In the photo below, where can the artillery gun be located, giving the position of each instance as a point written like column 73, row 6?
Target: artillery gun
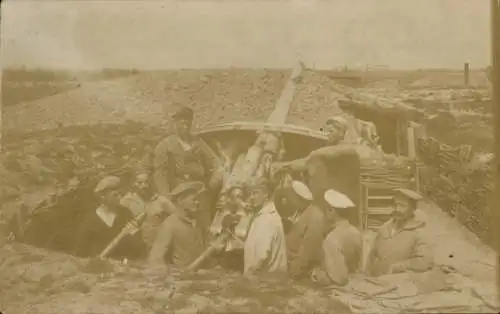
column 248, row 149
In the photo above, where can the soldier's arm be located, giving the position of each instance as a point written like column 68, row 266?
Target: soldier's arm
column 160, row 161
column 313, row 239
column 422, row 258
column 333, row 151
column 367, row 266
column 334, row 263
column 210, row 160
column 212, row 164
column 162, row 244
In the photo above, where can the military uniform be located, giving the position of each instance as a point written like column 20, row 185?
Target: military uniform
column 305, row 236
column 177, row 161
column 401, row 248
column 341, row 249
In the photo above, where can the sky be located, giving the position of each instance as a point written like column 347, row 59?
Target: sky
column 92, row 34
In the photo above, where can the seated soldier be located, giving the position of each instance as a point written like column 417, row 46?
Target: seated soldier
column 180, row 239
column 342, row 247
column 399, row 245
column 306, row 234
column 101, row 226
column 265, row 244
column 142, row 199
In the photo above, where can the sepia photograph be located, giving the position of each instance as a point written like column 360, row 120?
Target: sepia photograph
column 281, row 156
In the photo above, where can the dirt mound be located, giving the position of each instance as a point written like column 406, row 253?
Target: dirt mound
column 217, row 96
column 47, row 282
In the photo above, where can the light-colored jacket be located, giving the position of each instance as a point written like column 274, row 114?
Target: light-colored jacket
column 265, row 248
column 342, row 250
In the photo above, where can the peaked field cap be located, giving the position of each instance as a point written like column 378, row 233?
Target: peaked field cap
column 108, row 183
column 194, row 187
column 409, row 194
column 184, row 113
column 336, row 119
column 302, row 190
column 338, row 200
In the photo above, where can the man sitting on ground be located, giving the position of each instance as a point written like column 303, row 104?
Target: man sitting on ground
column 306, row 234
column 342, row 247
column 400, row 245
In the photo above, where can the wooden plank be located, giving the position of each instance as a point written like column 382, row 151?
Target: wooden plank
column 411, row 142
column 385, row 197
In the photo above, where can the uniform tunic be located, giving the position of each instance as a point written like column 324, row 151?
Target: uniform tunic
column 94, row 235
column 304, row 242
column 400, row 250
column 179, row 242
column 176, row 162
column 265, row 248
column 342, row 251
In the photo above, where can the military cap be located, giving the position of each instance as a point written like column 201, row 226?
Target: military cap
column 302, row 190
column 338, row 200
column 339, row 120
column 184, row 113
column 184, row 188
column 108, row 183
column 409, row 194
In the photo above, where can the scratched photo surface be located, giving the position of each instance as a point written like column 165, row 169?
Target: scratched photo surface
column 248, row 157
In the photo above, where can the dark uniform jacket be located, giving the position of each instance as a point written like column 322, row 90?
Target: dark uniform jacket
column 173, row 164
column 94, row 235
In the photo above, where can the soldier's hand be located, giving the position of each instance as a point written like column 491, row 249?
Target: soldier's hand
column 219, row 242
column 132, row 228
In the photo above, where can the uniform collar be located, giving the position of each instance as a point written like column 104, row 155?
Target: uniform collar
column 268, row 208
column 188, row 220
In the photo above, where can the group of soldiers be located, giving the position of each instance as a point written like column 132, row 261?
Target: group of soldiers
column 167, row 217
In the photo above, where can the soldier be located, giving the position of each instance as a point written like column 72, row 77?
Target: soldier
column 184, row 157
column 264, row 248
column 400, row 245
column 342, row 247
column 180, row 239
column 102, row 225
column 336, row 166
column 306, row 234
column 143, row 199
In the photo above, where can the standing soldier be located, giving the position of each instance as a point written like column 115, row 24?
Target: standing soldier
column 184, row 157
column 335, row 166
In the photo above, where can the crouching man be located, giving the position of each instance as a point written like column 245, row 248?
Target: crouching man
column 399, row 245
column 264, row 248
column 342, row 247
column 180, row 238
